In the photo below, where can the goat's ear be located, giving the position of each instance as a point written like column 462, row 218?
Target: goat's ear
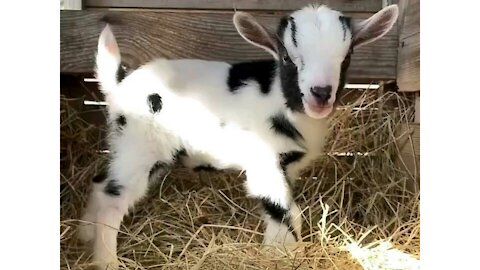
column 255, row 33
column 374, row 27
column 108, row 43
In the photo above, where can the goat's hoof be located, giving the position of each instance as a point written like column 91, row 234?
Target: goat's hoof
column 284, row 243
column 106, row 264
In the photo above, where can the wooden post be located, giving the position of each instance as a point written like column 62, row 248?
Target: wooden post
column 408, row 80
column 71, row 5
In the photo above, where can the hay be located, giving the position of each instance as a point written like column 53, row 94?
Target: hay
column 358, row 213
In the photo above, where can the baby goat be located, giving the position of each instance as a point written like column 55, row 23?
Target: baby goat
column 267, row 118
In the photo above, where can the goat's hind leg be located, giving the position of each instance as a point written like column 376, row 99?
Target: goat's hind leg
column 126, row 183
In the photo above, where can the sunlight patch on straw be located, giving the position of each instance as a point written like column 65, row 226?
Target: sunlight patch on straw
column 382, row 257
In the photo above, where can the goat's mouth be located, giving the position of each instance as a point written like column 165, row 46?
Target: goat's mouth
column 316, row 110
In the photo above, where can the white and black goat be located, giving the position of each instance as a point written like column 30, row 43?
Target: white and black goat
column 267, row 118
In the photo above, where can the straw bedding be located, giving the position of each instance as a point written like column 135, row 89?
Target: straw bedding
column 358, row 212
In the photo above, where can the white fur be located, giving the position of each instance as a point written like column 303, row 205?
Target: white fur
column 196, row 99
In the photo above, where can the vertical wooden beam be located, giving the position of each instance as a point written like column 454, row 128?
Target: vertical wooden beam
column 71, row 4
column 408, row 80
column 417, row 108
column 408, row 60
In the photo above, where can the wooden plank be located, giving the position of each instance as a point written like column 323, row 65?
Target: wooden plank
column 71, row 4
column 145, row 35
column 411, row 20
column 401, row 14
column 408, row 67
column 343, row 5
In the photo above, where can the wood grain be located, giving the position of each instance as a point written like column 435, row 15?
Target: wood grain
column 411, row 20
column 408, row 67
column 144, row 35
column 343, row 5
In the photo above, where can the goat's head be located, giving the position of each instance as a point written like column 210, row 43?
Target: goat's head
column 313, row 47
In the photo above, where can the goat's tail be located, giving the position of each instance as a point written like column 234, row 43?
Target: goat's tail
column 108, row 66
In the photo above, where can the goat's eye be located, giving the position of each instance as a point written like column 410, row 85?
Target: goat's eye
column 285, row 59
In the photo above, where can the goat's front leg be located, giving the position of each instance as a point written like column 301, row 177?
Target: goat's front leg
column 266, row 181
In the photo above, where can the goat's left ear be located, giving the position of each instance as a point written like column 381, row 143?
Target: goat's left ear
column 255, row 33
column 374, row 27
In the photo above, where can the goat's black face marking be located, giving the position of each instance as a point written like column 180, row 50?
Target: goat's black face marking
column 288, row 73
column 121, row 73
column 99, row 178
column 282, row 126
column 289, row 158
column 155, row 103
column 260, row 71
column 113, row 188
column 121, row 120
column 344, row 68
column 294, row 31
column 346, row 24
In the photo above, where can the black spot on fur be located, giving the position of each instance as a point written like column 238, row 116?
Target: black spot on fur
column 155, row 102
column 282, row 126
column 113, row 188
column 260, row 71
column 121, row 73
column 290, row 157
column 279, row 214
column 346, row 24
column 206, row 167
column 121, row 120
column 99, row 178
column 158, row 166
column 275, row 211
column 294, row 31
column 180, row 152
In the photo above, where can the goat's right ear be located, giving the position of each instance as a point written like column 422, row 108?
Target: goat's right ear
column 107, row 43
column 255, row 33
